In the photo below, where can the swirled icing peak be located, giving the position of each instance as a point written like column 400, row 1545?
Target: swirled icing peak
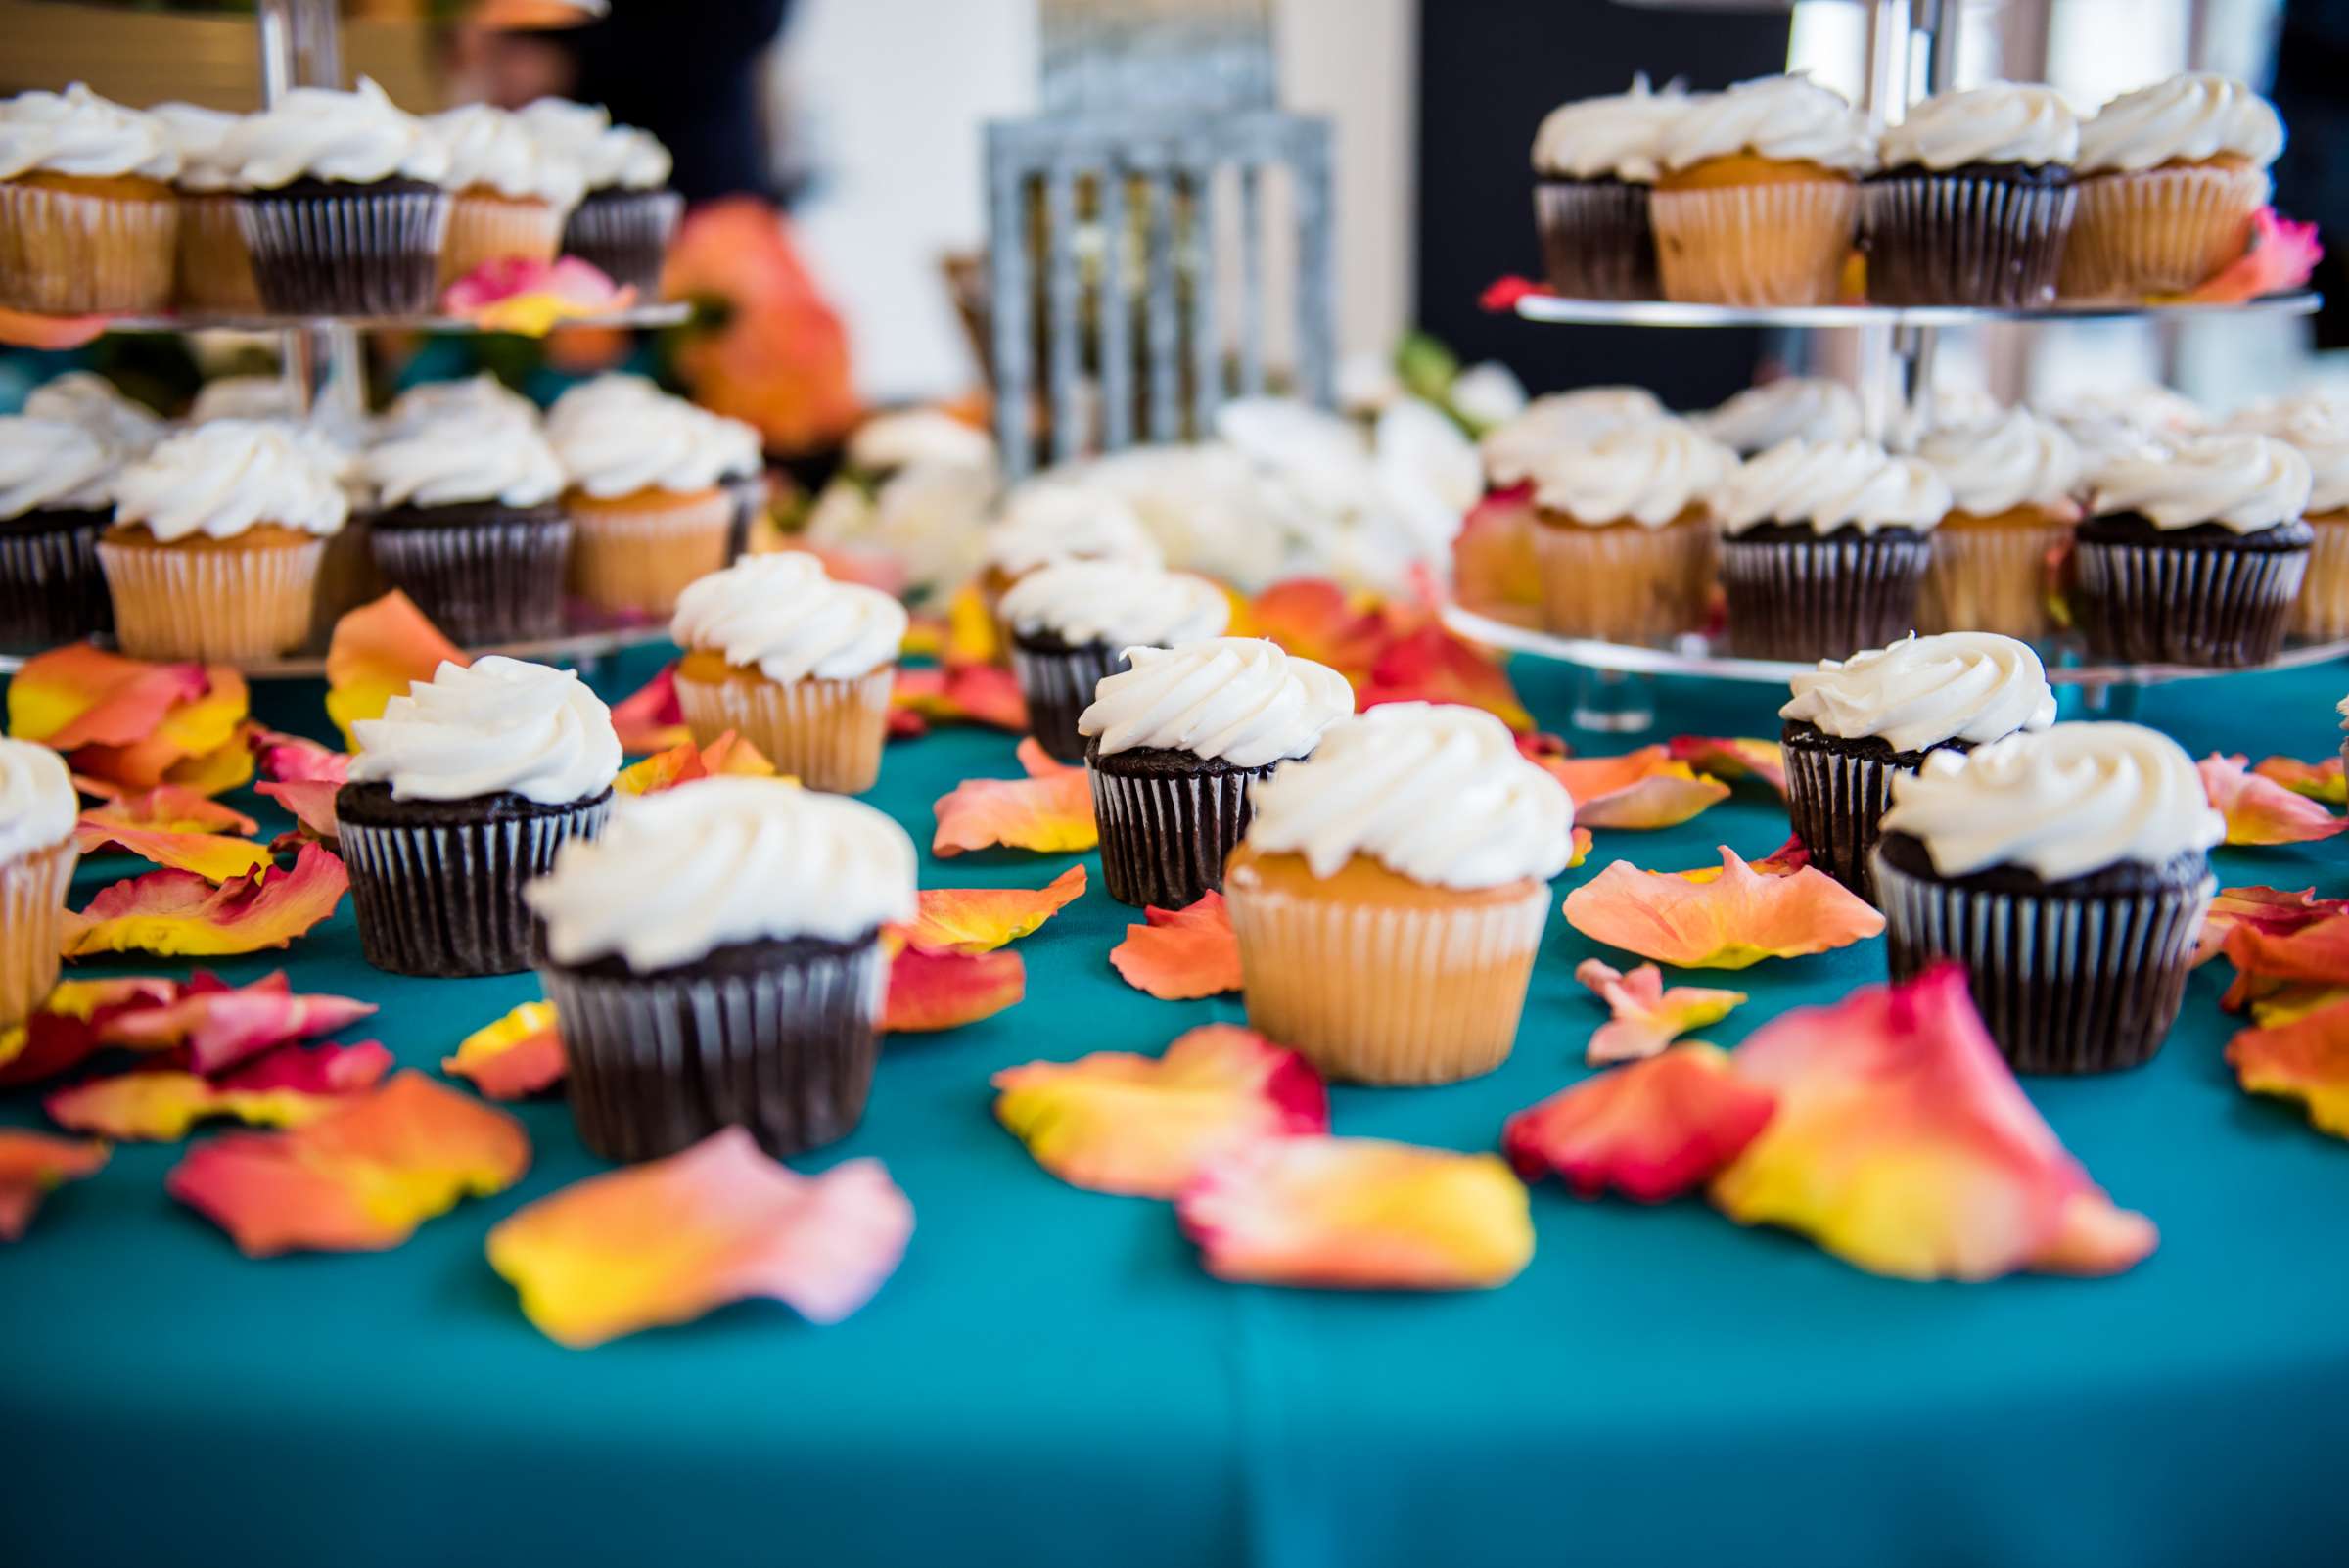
column 1063, row 520
column 918, row 437
column 1111, row 602
column 1560, row 418
column 38, row 805
column 1811, row 408
column 481, row 399
column 2187, row 118
column 680, row 873
column 618, row 434
column 1831, row 485
column 129, row 428
column 2315, row 424
column 219, row 479
column 1999, row 122
column 1237, row 700
column 48, row 465
column 358, row 138
column 1647, row 474
column 608, row 157
column 199, row 135
column 458, row 459
column 1619, row 136
column 2012, row 459
column 77, row 133
column 1439, row 794
column 1972, row 686
column 2245, row 484
column 497, row 726
column 782, row 614
column 1790, row 118
column 2061, row 802
column 493, row 149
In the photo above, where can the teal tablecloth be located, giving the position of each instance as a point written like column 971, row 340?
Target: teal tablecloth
column 1050, row 1379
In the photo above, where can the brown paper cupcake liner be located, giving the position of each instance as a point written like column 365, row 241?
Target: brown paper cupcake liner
column 1059, row 688
column 1755, row 244
column 1596, row 240
column 1623, row 582
column 637, row 558
column 68, row 253
column 2321, row 612
column 485, row 228
column 2184, row 605
column 828, row 734
column 2160, row 231
column 33, row 920
column 626, row 234
column 52, row 590
column 1936, row 239
column 494, row 579
column 1824, row 598
column 1991, row 579
column 210, row 605
column 357, row 252
column 214, row 270
column 1164, row 836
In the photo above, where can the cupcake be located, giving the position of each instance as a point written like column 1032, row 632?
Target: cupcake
column 38, row 807
column 1809, row 408
column 469, row 522
column 1853, row 723
column 623, row 223
column 480, row 399
column 1175, row 742
column 1511, row 449
column 2066, row 871
column 212, row 270
column 2318, row 428
column 1975, row 199
column 1594, row 162
column 1825, row 547
column 509, row 193
column 2011, row 479
column 2170, row 177
column 126, row 427
column 460, row 794
column 54, row 495
column 86, row 208
column 1055, row 519
column 1390, row 893
column 645, row 500
column 341, row 203
column 1759, row 195
column 2195, row 557
column 1073, row 623
column 716, row 959
column 1623, row 534
column 215, row 543
column 797, row 664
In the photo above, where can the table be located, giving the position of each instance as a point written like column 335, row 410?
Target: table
column 1050, row 1379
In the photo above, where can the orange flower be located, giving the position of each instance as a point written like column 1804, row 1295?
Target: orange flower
column 777, row 357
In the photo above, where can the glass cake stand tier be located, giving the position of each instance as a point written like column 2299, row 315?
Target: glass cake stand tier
column 575, row 645
column 1556, row 308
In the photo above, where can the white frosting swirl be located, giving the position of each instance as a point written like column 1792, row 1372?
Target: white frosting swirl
column 497, row 726
column 618, row 434
column 680, row 873
column 1811, row 408
column 230, row 475
column 1649, row 474
column 356, row 137
column 2011, row 460
column 782, row 614
column 2245, row 484
column 38, row 806
column 2000, row 122
column 2190, row 117
column 608, row 157
column 48, row 465
column 1830, row 486
column 2061, row 802
column 1111, row 602
column 1059, row 520
column 1790, row 118
column 490, row 148
column 1511, row 449
column 2316, row 425
column 199, row 135
column 1972, row 686
column 76, row 133
column 738, row 448
column 457, row 459
column 1437, row 793
column 247, row 396
column 1620, row 136
column 478, row 399
column 1237, row 700
column 918, row 437
column 128, row 428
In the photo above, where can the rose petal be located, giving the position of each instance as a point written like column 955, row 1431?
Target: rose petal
column 377, row 651
column 651, row 719
column 292, row 760
column 2272, row 911
column 289, row 1088
column 1494, row 569
column 727, row 756
column 2280, row 255
column 65, row 1029
column 1581, row 848
column 517, row 1057
column 219, row 1027
column 1732, row 921
column 972, row 637
column 1181, row 954
column 1050, row 812
column 2306, row 1059
column 969, row 920
column 1651, row 1130
column 2315, row 953
column 227, row 766
column 1146, row 1126
column 1432, row 665
column 934, row 990
column 1733, row 756
column 665, row 1242
column 977, row 694
column 2259, row 811
column 311, row 802
column 532, row 296
column 1312, row 619
column 1648, row 1017
column 1642, row 789
column 1359, row 1213
column 213, row 856
column 170, row 808
column 34, row 1163
column 2320, row 781
column 30, row 329
column 199, row 744
column 361, row 1179
column 80, row 695
column 178, row 912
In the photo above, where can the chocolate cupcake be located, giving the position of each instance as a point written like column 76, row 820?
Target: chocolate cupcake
column 461, row 793
column 1072, row 623
column 2066, row 871
column 624, row 222
column 1974, row 200
column 1853, row 724
column 715, row 960
column 56, row 497
column 1173, row 745
column 1596, row 161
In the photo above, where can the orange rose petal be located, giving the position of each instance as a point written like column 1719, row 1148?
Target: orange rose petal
column 1432, row 665
column 517, row 1057
column 2280, row 255
column 219, row 1027
column 292, row 758
column 2260, row 811
column 2265, row 963
column 227, row 766
column 1146, row 1126
column 972, row 637
column 977, row 694
column 2320, row 781
column 651, row 719
column 1181, row 954
column 1732, row 756
column 665, row 1242
column 1732, row 921
column 377, row 651
column 81, row 695
column 1642, row 789
column 170, row 808
column 31, row 1164
column 361, row 1179
column 180, row 913
column 1646, row 1017
column 2306, row 1059
column 2270, row 911
column 289, row 1088
column 30, row 329
column 310, row 803
column 1651, row 1130
column 213, row 856
column 969, row 920
column 65, row 1029
column 727, row 756
column 1313, row 619
column 934, row 990
column 1359, row 1213
column 1052, row 810
column 1581, row 848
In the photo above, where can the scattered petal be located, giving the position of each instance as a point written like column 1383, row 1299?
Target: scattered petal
column 1733, row 756
column 2260, row 811
column 969, row 920
column 180, row 913
column 974, row 694
column 170, row 808
column 1642, row 789
column 1312, row 618
column 34, row 1163
column 1651, row 1130
column 218, row 1026
column 651, row 719
column 311, row 804
column 1181, row 954
column 2321, row 781
column 513, row 1058
column 533, row 297
column 1731, row 921
column 213, row 856
column 292, row 758
column 2310, row 954
column 2280, row 255
column 289, row 1088
column 1581, row 848
column 2270, row 911
column 2306, row 1059
column 377, row 651
column 128, row 725
column 934, row 990
column 1648, row 1017
column 1501, row 295
column 727, row 756
column 1050, row 812
column 1432, row 665
column 67, row 1029
column 30, row 329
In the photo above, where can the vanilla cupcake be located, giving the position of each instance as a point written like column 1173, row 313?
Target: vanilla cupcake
column 38, row 807
column 126, row 427
column 1594, row 162
column 56, row 491
column 2132, row 419
column 510, row 193
column 716, row 957
column 797, row 664
column 1625, row 538
column 1496, row 567
column 1806, row 409
column 2012, row 481
column 480, row 399
column 1052, row 519
column 624, row 222
column 1175, row 742
column 1073, row 623
column 213, row 267
column 1511, row 449
column 2317, row 426
column 1390, row 894
column 647, row 498
column 1975, row 199
column 85, row 206
column 2170, row 178
column 469, row 522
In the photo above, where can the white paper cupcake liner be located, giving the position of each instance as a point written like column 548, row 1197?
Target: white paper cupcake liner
column 828, row 734
column 2158, row 231
column 637, row 558
column 445, row 899
column 2320, row 610
column 1991, row 578
column 1755, row 244
column 66, row 253
column 1623, row 582
column 2186, row 605
column 211, row 606
column 1824, row 598
column 1164, row 836
column 484, row 229
column 33, row 918
column 1059, row 688
column 1933, row 239
column 351, row 253
column 626, row 234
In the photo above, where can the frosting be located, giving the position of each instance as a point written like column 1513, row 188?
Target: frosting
column 1236, row 700
column 607, row 156
column 2061, row 802
column 1065, row 519
column 319, row 133
column 736, row 445
column 1560, row 418
column 916, row 437
column 2002, row 122
column 1811, row 408
column 86, row 398
column 199, row 135
column 2192, row 117
column 222, row 477
column 38, row 805
column 1620, row 136
column 2145, row 406
column 618, row 434
column 497, row 726
column 480, row 399
column 76, row 133
column 2010, row 460
column 456, row 459
column 1113, row 602
column 1435, row 793
column 782, row 614
column 1206, row 506
column 256, row 397
column 488, row 148
column 1649, row 474
column 1830, row 486
column 1972, row 686
column 49, row 465
column 1791, row 119
column 2315, row 424
column 2243, row 483
column 680, row 873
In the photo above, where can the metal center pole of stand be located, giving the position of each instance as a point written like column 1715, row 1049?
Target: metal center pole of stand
column 301, row 46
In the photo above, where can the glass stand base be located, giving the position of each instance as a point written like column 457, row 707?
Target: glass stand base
column 1613, row 702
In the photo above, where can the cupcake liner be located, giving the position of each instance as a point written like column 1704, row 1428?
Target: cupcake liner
column 827, row 734
column 1822, row 598
column 637, row 558
column 494, row 580
column 51, row 589
column 1755, row 244
column 187, row 602
column 68, row 253
column 33, row 920
column 1937, row 240
column 2066, row 984
column 2321, row 612
column 1164, row 837
column 2183, row 604
column 750, row 494
column 1835, row 802
column 1991, row 578
column 490, row 228
column 1059, row 688
column 1381, row 993
column 444, row 899
column 657, row 1063
column 359, row 254
column 1596, row 240
column 626, row 234
column 2160, row 231
column 1623, row 582
column 213, row 270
